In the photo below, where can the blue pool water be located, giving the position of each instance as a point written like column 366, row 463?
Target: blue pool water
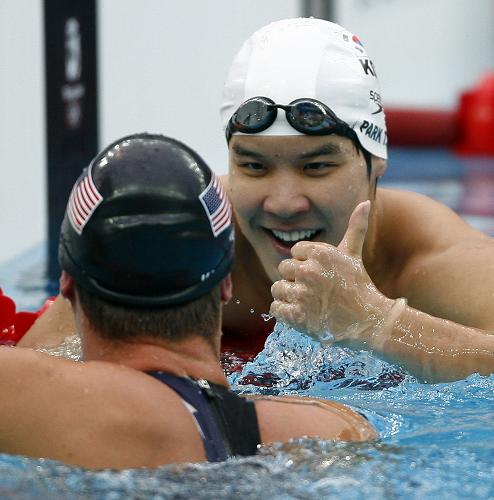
column 437, row 440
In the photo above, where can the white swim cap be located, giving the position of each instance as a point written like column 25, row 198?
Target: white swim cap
column 306, row 57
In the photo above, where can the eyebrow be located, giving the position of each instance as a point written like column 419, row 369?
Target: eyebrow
column 326, row 149
column 241, row 151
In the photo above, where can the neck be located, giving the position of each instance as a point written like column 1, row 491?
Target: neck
column 193, row 357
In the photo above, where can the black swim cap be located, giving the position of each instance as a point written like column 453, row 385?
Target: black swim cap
column 147, row 224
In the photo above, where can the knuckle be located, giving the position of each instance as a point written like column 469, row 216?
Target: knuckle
column 300, row 245
column 282, row 265
column 286, row 266
column 273, row 308
column 276, row 309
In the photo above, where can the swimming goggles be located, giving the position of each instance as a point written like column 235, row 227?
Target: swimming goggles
column 305, row 115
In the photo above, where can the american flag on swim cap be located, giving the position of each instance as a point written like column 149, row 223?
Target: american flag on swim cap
column 83, row 201
column 217, row 206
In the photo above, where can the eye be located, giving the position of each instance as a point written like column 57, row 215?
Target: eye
column 318, row 168
column 253, row 168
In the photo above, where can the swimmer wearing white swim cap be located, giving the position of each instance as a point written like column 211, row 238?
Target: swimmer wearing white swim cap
column 400, row 274
column 310, row 59
column 379, row 269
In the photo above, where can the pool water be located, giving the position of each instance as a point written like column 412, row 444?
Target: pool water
column 437, row 440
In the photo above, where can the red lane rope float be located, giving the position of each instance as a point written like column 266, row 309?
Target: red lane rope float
column 13, row 325
column 469, row 130
column 422, row 127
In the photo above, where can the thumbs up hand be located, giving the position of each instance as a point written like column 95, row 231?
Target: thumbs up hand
column 326, row 292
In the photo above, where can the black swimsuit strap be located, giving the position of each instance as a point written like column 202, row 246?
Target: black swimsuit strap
column 238, row 419
column 228, row 422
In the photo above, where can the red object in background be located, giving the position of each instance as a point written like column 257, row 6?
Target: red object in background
column 469, row 130
column 421, row 127
column 476, row 119
column 13, row 325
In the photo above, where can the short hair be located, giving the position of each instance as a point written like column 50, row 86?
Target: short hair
column 199, row 317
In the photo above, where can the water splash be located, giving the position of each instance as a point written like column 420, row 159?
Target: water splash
column 70, row 348
column 291, row 362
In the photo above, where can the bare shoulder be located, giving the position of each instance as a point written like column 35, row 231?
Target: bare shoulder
column 42, row 378
column 283, row 418
column 105, row 414
column 422, row 221
column 100, row 385
column 415, row 229
column 442, row 259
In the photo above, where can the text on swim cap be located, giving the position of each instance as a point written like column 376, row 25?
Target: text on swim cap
column 368, row 66
column 206, row 276
column 375, row 97
column 372, row 131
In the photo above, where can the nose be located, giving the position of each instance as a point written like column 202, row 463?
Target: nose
column 286, row 197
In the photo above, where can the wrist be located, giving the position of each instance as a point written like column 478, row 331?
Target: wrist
column 382, row 332
column 368, row 325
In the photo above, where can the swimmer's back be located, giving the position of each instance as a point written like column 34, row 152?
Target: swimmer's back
column 111, row 416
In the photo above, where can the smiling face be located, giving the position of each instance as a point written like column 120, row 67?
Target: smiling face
column 290, row 188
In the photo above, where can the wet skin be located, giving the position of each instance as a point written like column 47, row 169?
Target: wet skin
column 414, row 248
column 295, row 183
column 285, row 189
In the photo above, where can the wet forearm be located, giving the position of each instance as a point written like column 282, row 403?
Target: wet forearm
column 434, row 349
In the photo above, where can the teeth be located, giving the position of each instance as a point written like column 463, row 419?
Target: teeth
column 292, row 236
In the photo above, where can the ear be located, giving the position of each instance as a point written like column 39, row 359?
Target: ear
column 226, row 288
column 67, row 286
column 379, row 166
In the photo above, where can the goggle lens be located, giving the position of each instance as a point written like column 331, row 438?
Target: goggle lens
column 311, row 117
column 305, row 115
column 255, row 115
